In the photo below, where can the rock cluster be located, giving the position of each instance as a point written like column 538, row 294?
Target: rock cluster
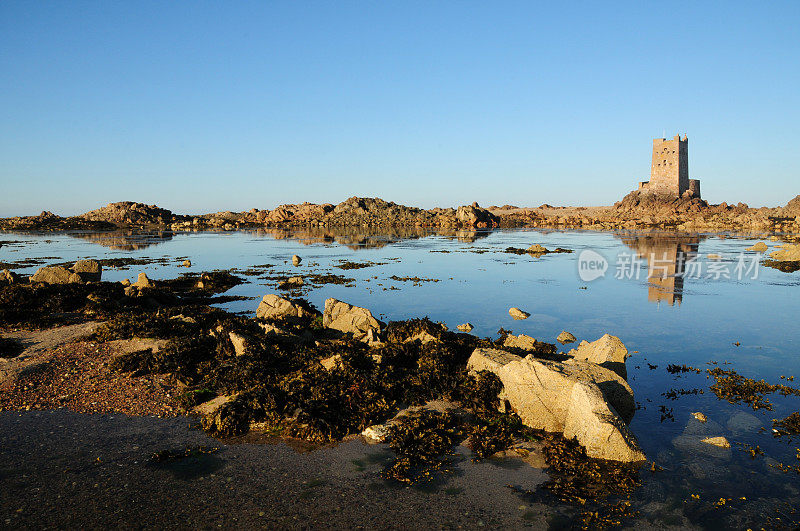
column 82, row 271
column 130, row 213
column 576, row 397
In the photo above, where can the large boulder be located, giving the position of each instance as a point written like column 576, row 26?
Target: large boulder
column 608, row 352
column 88, row 269
column 475, row 216
column 55, row 275
column 274, row 307
column 353, row 320
column 575, row 397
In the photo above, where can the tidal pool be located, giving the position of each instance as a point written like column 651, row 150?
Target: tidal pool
column 685, row 299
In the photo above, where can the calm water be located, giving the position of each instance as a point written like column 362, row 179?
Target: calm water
column 750, row 323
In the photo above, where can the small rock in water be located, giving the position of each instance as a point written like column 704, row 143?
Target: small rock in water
column 537, row 249
column 760, row 247
column 296, row 260
column 714, row 256
column 699, row 416
column 721, row 442
column 466, row 327
column 186, row 263
column 518, row 314
column 565, row 337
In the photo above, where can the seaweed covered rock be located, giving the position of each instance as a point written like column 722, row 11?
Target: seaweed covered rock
column 576, row 398
column 353, row 320
column 7, row 278
column 608, row 352
column 274, row 307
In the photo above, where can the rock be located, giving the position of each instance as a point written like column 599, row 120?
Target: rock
column 331, row 362
column 521, row 341
column 714, row 256
column 54, row 275
column 296, row 260
column 88, row 270
column 423, row 337
column 292, row 282
column 353, row 320
column 131, row 291
column 466, row 327
column 271, row 330
column 565, row 337
column 742, row 422
column 720, row 442
column 537, row 249
column 786, row 253
column 239, row 342
column 475, row 216
column 186, row 263
column 377, row 433
column 699, row 416
column 518, row 314
column 608, row 352
column 8, row 277
column 576, row 398
column 142, row 282
column 275, row 307
column 125, row 282
column 759, row 247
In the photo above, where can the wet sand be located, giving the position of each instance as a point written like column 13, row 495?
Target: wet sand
column 64, row 469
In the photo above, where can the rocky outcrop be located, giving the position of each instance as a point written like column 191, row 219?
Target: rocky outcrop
column 130, row 213
column 577, row 398
column 475, row 216
column 792, row 208
column 353, row 320
column 8, row 277
column 274, row 307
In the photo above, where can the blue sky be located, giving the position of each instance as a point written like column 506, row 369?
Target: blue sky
column 205, row 106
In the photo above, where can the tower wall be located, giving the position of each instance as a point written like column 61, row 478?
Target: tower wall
column 669, row 170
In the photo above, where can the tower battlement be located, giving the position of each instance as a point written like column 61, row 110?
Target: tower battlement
column 669, row 169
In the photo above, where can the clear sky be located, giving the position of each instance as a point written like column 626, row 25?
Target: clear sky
column 206, row 106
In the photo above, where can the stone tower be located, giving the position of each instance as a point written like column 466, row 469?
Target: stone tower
column 669, row 169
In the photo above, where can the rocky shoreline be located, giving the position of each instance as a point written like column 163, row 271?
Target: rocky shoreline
column 637, row 210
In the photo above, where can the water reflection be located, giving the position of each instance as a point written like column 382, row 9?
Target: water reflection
column 667, row 256
column 125, row 240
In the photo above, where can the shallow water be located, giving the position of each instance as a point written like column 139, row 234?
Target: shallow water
column 747, row 322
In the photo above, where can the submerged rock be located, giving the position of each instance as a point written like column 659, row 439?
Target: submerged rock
column 518, row 314
column 719, row 441
column 608, row 352
column 577, row 398
column 565, row 337
column 353, row 320
column 699, row 416
column 275, row 307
